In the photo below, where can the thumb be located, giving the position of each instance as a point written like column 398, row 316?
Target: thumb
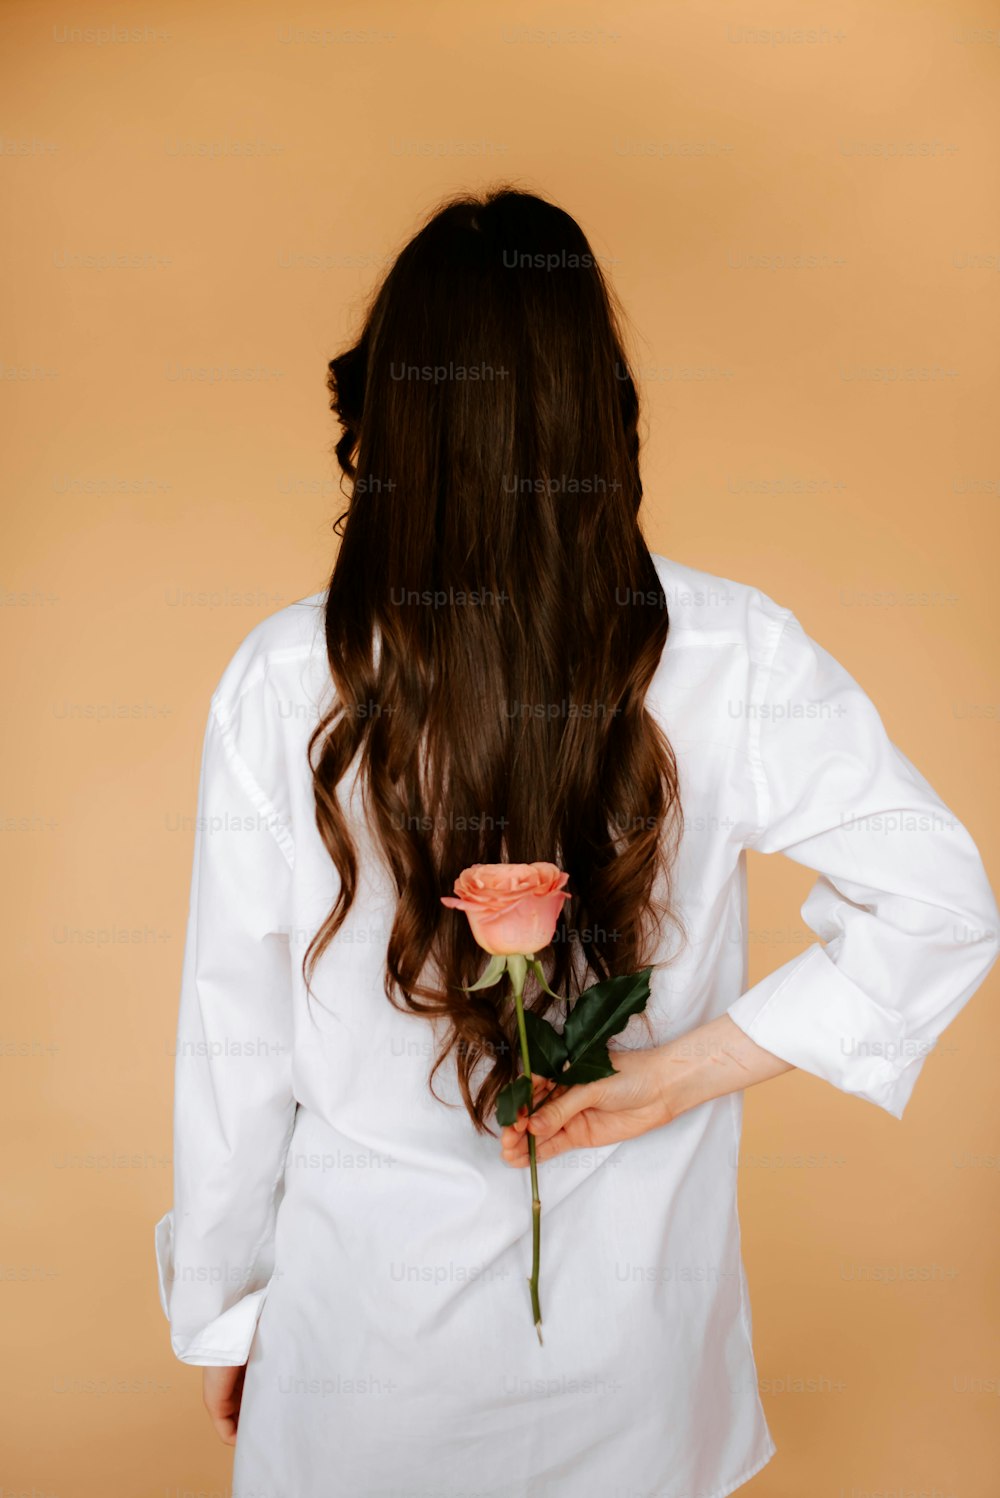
column 557, row 1112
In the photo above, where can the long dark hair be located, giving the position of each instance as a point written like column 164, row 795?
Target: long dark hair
column 494, row 617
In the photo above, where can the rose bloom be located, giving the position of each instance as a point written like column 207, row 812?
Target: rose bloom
column 512, row 907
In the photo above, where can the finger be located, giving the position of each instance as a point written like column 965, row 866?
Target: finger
column 544, row 1083
column 550, row 1148
column 547, row 1090
column 225, row 1428
column 556, row 1112
column 543, row 1088
column 512, row 1138
column 519, row 1155
column 540, row 1088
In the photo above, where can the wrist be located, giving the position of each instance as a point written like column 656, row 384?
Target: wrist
column 684, row 1077
column 710, row 1061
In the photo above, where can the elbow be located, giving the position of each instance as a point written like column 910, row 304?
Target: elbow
column 977, row 932
column 975, row 916
column 989, row 950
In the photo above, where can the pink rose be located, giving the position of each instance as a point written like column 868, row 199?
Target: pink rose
column 512, row 907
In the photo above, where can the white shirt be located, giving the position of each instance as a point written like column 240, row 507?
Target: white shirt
column 369, row 1250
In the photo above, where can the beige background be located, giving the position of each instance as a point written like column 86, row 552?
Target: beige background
column 215, row 190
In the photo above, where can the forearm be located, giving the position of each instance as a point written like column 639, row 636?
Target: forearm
column 710, row 1061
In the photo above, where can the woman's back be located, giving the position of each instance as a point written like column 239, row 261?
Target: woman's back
column 382, row 1239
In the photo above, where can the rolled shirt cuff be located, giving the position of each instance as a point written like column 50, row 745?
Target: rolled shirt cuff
column 225, row 1340
column 813, row 1016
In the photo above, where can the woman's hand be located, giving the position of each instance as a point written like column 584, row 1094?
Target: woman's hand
column 649, row 1088
column 591, row 1113
column 222, row 1391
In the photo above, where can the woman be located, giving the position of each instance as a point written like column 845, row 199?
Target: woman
column 500, row 671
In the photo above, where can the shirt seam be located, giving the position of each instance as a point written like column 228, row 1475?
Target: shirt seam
column 257, row 795
column 744, row 1307
column 758, row 774
column 258, row 672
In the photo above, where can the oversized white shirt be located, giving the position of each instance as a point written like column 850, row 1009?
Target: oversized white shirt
column 368, row 1251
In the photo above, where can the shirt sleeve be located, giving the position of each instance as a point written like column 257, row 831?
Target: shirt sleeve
column 234, row 1106
column 903, row 908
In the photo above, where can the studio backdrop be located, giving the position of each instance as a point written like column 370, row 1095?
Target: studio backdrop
column 796, row 207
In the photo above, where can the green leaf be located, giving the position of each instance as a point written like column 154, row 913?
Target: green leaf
column 515, row 1095
column 495, row 969
column 596, row 1064
column 546, row 1047
column 600, row 1012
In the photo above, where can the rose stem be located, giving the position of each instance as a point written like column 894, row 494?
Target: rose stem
column 517, row 980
